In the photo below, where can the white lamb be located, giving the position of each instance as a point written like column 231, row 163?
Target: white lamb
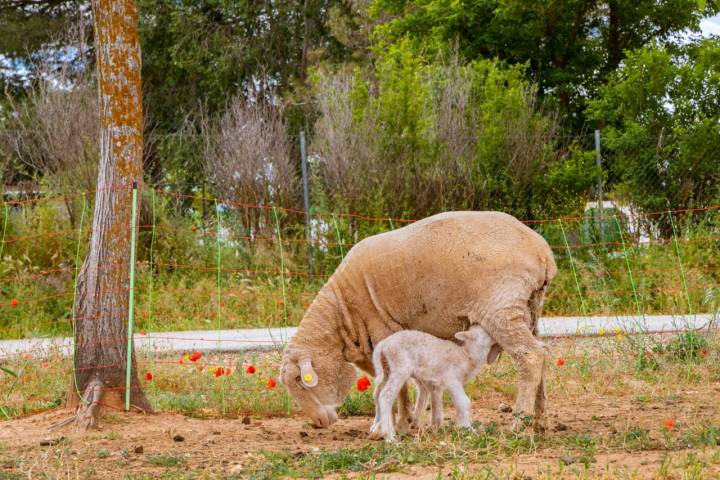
column 435, row 364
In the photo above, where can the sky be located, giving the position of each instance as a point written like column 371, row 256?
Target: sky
column 711, row 26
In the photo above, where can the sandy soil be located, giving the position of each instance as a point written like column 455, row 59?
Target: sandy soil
column 126, row 443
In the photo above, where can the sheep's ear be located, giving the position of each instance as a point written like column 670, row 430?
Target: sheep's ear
column 462, row 336
column 307, row 374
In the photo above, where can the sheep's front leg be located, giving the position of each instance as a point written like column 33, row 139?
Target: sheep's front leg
column 420, row 404
column 405, row 414
column 437, row 406
column 462, row 404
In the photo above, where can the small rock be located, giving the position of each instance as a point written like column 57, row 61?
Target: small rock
column 51, row 441
column 354, row 433
column 505, row 408
column 303, row 434
column 560, row 427
column 216, row 432
column 246, row 420
column 139, row 449
column 236, row 470
column 178, row 438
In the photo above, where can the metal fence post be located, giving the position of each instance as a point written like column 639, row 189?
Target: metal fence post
column 598, row 162
column 131, row 300
column 306, row 200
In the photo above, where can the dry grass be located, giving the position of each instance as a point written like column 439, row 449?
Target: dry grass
column 608, row 417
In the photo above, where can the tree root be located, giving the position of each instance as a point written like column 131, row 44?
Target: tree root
column 88, row 411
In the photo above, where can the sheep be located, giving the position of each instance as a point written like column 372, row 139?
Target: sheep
column 435, row 365
column 438, row 275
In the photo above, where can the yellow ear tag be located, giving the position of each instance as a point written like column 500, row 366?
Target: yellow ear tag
column 308, row 377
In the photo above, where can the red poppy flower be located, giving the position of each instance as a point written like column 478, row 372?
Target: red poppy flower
column 228, row 371
column 14, row 302
column 306, row 305
column 195, row 356
column 560, row 362
column 271, row 383
column 193, row 228
column 218, row 372
column 669, row 424
column 703, row 352
column 144, row 315
column 212, row 314
column 222, row 305
column 143, row 332
column 250, row 369
column 148, row 376
column 45, row 364
column 363, row 383
column 280, row 303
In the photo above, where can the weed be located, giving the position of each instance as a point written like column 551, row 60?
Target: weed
column 165, row 460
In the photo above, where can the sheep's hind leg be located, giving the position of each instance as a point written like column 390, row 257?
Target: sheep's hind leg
column 437, row 406
column 404, row 419
column 420, row 404
column 386, row 397
column 509, row 325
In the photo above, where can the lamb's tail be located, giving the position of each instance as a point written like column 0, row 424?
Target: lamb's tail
column 382, row 368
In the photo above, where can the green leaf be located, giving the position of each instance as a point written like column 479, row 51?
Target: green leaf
column 8, row 371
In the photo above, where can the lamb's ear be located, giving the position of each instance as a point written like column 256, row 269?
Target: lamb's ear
column 463, row 336
column 495, row 350
column 307, row 374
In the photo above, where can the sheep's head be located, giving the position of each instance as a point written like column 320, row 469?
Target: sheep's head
column 319, row 381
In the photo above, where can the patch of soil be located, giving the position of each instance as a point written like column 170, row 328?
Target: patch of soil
column 128, row 443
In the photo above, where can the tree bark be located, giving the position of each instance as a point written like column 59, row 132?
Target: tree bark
column 101, row 306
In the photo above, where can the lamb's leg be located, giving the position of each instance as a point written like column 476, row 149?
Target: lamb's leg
column 386, row 397
column 462, row 404
column 509, row 323
column 437, row 406
column 379, row 385
column 405, row 410
column 421, row 404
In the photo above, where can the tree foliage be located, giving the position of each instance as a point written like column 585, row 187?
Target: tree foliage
column 662, row 116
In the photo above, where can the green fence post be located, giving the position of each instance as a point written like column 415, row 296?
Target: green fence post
column 75, row 283
column 572, row 267
column 682, row 270
column 131, row 301
column 5, row 222
column 218, row 302
column 151, row 309
column 282, row 265
column 339, row 238
column 630, row 275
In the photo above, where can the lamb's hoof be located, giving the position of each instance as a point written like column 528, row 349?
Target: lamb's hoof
column 375, row 435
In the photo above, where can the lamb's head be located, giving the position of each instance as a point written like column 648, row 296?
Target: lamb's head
column 479, row 344
column 318, row 380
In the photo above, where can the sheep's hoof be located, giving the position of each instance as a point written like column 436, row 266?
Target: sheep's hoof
column 521, row 422
column 403, row 425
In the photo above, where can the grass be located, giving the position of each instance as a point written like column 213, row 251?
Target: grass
column 180, row 291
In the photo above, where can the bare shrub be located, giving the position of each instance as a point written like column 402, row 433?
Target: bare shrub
column 54, row 129
column 347, row 149
column 248, row 157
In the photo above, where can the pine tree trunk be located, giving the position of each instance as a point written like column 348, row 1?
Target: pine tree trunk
column 101, row 307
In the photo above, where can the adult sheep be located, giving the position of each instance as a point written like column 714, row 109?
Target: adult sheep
column 438, row 275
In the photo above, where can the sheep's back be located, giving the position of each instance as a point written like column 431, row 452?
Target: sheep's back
column 428, row 275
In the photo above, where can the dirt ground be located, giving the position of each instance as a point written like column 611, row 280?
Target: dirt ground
column 138, row 446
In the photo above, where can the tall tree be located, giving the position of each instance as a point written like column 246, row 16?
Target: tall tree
column 570, row 46
column 103, row 287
